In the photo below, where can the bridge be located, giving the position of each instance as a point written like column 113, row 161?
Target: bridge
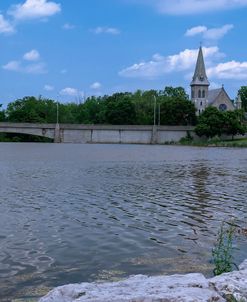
column 74, row 133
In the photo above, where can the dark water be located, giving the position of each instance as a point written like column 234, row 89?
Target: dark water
column 72, row 213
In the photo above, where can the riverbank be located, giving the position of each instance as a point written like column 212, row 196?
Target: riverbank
column 238, row 143
column 229, row 287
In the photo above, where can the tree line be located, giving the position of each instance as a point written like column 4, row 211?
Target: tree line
column 170, row 106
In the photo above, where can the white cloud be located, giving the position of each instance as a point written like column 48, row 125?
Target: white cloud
column 189, row 7
column 209, row 33
column 48, row 87
column 160, row 65
column 195, row 31
column 96, row 85
column 34, row 9
column 229, row 70
column 31, row 67
column 5, row 26
column 13, row 66
column 68, row 26
column 32, row 55
column 68, row 91
column 217, row 33
column 106, row 30
column 38, row 68
column 17, row 66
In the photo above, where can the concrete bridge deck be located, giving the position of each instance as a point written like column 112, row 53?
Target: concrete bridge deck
column 125, row 134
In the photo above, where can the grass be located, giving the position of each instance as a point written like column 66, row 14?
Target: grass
column 216, row 142
column 222, row 252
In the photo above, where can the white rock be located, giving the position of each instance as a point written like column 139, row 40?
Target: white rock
column 176, row 288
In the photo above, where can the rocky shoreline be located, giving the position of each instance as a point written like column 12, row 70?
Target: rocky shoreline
column 230, row 287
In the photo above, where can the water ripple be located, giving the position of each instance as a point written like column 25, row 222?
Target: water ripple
column 79, row 211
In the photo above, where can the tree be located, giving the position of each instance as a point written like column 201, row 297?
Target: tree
column 120, row 110
column 175, row 92
column 243, row 93
column 232, row 123
column 213, row 122
column 176, row 111
column 92, row 111
column 2, row 114
column 32, row 110
column 144, row 106
column 210, row 123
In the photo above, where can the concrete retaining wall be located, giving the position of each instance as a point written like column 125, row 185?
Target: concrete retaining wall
column 124, row 134
column 69, row 133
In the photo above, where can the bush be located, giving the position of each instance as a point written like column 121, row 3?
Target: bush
column 222, row 252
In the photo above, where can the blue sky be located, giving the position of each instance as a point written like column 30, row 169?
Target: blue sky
column 65, row 49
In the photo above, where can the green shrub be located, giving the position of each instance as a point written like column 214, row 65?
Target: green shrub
column 222, row 252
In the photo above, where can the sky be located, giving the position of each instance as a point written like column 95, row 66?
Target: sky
column 71, row 49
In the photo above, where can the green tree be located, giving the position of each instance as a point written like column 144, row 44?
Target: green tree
column 92, row 111
column 120, row 109
column 243, row 93
column 32, row 110
column 176, row 111
column 210, row 123
column 2, row 114
column 232, row 123
column 144, row 106
column 175, row 92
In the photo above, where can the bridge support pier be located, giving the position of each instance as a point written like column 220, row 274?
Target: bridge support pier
column 154, row 135
column 57, row 137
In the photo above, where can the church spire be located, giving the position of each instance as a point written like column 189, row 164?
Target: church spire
column 200, row 76
column 200, row 84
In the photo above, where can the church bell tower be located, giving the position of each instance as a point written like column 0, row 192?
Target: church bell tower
column 200, row 84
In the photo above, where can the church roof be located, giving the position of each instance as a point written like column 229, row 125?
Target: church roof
column 213, row 94
column 200, row 76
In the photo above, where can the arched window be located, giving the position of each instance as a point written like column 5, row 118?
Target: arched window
column 201, row 103
column 199, row 94
column 222, row 107
column 203, row 93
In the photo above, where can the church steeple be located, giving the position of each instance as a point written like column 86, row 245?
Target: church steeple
column 200, row 84
column 200, row 76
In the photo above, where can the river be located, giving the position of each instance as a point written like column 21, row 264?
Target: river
column 74, row 213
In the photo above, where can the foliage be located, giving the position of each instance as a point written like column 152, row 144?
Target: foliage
column 187, row 140
column 210, row 123
column 222, row 252
column 119, row 108
column 232, row 123
column 91, row 112
column 2, row 114
column 177, row 111
column 243, row 93
column 32, row 110
column 177, row 92
column 213, row 122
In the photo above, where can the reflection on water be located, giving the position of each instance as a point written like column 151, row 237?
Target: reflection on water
column 72, row 213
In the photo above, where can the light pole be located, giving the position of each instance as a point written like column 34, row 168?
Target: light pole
column 57, row 113
column 159, row 115
column 155, row 103
column 57, row 137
